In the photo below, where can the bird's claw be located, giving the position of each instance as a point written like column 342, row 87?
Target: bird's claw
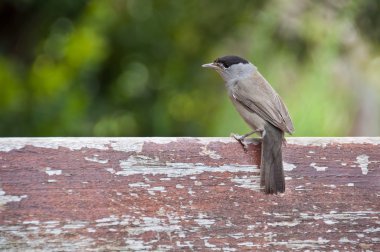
column 241, row 140
column 236, row 136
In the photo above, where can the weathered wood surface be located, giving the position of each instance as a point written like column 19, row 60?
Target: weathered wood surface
column 190, row 194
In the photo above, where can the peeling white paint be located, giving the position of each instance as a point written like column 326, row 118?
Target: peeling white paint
column 324, row 141
column 346, row 240
column 228, row 249
column 49, row 171
column 208, row 140
column 318, row 168
column 31, row 238
column 202, row 220
column 251, row 227
column 144, row 165
column 111, row 218
column 363, row 161
column 303, row 244
column 246, row 244
column 156, row 189
column 75, row 225
column 190, row 191
column 330, row 222
column 136, row 245
column 341, row 216
column 330, row 186
column 248, row 182
column 111, row 170
column 371, row 230
column 54, row 231
column 91, row 230
column 72, row 143
column 165, row 179
column 135, row 144
column 125, row 144
column 32, row 222
column 300, row 188
column 168, row 225
column 138, row 184
column 237, row 235
column 4, row 199
column 148, row 224
column 129, row 145
column 34, row 229
column 207, row 244
column 210, row 153
column 197, row 183
column 185, row 244
column 96, row 160
column 50, row 223
column 284, row 223
column 288, row 166
column 140, row 160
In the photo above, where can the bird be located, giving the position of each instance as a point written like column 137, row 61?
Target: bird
column 263, row 110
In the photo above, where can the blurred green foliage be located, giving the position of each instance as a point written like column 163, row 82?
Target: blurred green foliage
column 132, row 67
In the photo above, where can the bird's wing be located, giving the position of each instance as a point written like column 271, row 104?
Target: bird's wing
column 256, row 95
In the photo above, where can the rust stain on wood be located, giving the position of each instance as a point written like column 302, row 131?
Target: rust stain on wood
column 168, row 194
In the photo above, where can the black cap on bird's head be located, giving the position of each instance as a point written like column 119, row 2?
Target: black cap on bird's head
column 228, row 61
column 225, row 62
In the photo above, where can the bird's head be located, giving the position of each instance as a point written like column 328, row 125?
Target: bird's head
column 231, row 67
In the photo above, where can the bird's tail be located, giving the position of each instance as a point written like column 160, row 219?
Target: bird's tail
column 272, row 171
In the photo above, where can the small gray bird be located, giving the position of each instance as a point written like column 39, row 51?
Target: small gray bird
column 262, row 108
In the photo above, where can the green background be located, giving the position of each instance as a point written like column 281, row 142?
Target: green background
column 133, row 68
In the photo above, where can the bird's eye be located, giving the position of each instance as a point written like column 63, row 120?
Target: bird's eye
column 220, row 63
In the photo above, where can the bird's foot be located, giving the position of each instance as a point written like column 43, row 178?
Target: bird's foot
column 237, row 136
column 241, row 140
column 244, row 141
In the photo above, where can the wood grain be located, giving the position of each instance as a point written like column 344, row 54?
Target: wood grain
column 188, row 194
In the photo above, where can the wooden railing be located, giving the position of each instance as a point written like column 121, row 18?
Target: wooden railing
column 190, row 194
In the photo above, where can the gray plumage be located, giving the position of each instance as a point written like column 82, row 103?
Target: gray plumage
column 263, row 110
column 256, row 95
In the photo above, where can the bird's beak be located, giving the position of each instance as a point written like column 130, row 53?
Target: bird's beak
column 211, row 65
